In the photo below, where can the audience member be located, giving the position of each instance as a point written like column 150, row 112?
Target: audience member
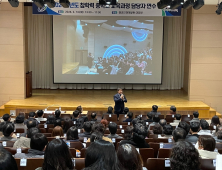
column 154, row 111
column 6, row 117
column 110, row 111
column 75, row 116
column 128, row 133
column 31, row 117
column 139, row 135
column 72, row 135
column 125, row 110
column 24, row 142
column 57, row 132
column 149, row 117
column 57, row 156
column 96, row 136
column 58, row 115
column 8, row 131
column 195, row 119
column 19, row 123
column 176, row 121
column 194, row 129
column 113, row 130
column 167, row 131
column 40, row 115
column 184, row 156
column 1, row 128
column 215, row 121
column 129, row 117
column 157, row 129
column 185, row 126
column 37, row 145
column 80, row 109
column 87, row 127
column 204, row 128
column 50, row 119
column 57, row 122
column 67, row 124
column 162, row 122
column 7, row 161
column 105, row 123
column 156, row 120
column 206, row 146
column 129, row 158
column 218, row 137
column 93, row 117
column 173, row 110
column 97, row 157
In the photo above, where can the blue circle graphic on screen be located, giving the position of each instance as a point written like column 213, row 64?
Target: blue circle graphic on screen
column 138, row 36
column 114, row 50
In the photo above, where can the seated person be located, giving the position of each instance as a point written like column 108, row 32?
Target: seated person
column 139, row 135
column 128, row 133
column 24, row 142
column 1, row 128
column 19, row 123
column 7, row 161
column 75, row 116
column 156, row 120
column 125, row 110
column 157, row 129
column 31, row 116
column 154, row 111
column 194, row 129
column 185, row 126
column 58, row 115
column 8, row 131
column 67, row 124
column 57, row 132
column 129, row 117
column 215, row 121
column 195, row 119
column 113, row 130
column 80, row 109
column 149, row 117
column 162, row 122
column 218, row 137
column 173, row 110
column 40, row 115
column 72, row 135
column 176, row 121
column 96, row 136
column 50, row 119
column 93, row 117
column 57, row 122
column 184, row 157
column 206, row 146
column 87, row 128
column 167, row 131
column 37, row 147
column 204, row 128
column 6, row 117
column 110, row 111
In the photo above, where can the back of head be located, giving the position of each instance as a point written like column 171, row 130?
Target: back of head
column 110, row 109
column 98, row 127
column 179, row 134
column 139, row 132
column 129, row 158
column 32, row 131
column 57, row 156
column 155, row 107
column 215, row 120
column 195, row 126
column 156, row 118
column 31, row 114
column 57, row 131
column 96, row 136
column 72, row 133
column 40, row 113
column 38, row 142
column 195, row 114
column 79, row 108
column 113, row 128
column 8, row 128
column 128, row 132
column 204, row 124
column 184, row 156
column 2, row 124
column 125, row 110
column 31, row 123
column 150, row 115
column 75, row 113
column 57, row 113
column 162, row 122
column 104, row 122
column 206, row 142
column 58, row 122
column 157, row 129
column 134, row 121
column 173, row 109
column 177, row 116
column 184, row 126
column 130, row 115
column 50, row 119
column 93, row 115
column 7, row 161
column 219, row 135
column 87, row 127
column 6, row 117
column 97, row 157
column 67, row 124
column 167, row 130
column 20, row 119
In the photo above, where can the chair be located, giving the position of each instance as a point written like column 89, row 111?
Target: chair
column 8, row 143
column 73, row 152
column 83, row 152
column 186, row 118
column 13, row 151
column 42, row 130
column 47, row 134
column 32, row 163
column 113, row 117
column 219, row 145
column 156, row 147
column 42, row 122
column 156, row 163
column 65, row 116
column 143, row 116
column 87, row 144
column 169, row 118
column 123, row 126
column 49, row 130
column 122, row 117
column 207, row 164
column 107, row 132
column 76, row 145
column 19, row 130
column 146, row 153
column 40, row 126
column 51, row 138
column 79, row 163
column 164, row 153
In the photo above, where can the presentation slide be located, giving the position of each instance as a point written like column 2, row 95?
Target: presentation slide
column 107, row 49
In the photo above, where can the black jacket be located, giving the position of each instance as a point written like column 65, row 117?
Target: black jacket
column 119, row 103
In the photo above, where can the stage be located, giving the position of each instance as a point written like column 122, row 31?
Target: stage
column 99, row 100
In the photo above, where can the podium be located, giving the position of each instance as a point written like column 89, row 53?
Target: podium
column 29, row 84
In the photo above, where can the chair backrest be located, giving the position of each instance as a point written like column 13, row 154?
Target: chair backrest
column 169, row 118
column 19, row 130
column 42, row 130
column 32, row 163
column 40, row 125
column 156, row 147
column 123, row 125
column 79, row 163
column 146, row 153
column 122, row 117
column 219, row 145
column 113, row 117
column 186, row 118
column 49, row 130
column 155, row 163
column 8, row 143
column 76, row 145
column 65, row 116
column 87, row 144
column 42, row 122
column 73, row 152
column 51, row 138
column 143, row 116
column 13, row 151
column 83, row 152
column 207, row 164
column 164, row 153
column 47, row 134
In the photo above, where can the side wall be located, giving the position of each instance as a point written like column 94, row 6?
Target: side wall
column 12, row 61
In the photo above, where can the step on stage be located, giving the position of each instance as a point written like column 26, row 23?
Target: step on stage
column 99, row 100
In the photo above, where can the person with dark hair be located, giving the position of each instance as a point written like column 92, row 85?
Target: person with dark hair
column 50, row 119
column 218, row 137
column 113, row 130
column 167, row 131
column 57, row 156
column 19, row 123
column 185, row 126
column 128, row 133
column 24, row 142
column 129, row 117
column 58, row 122
column 1, row 128
column 6, row 117
column 58, row 115
column 129, row 158
column 8, row 131
column 149, row 117
column 184, row 156
column 204, row 128
column 195, row 119
column 93, row 117
column 87, row 127
column 72, row 135
column 101, row 155
column 75, row 116
column 139, row 134
column 37, row 146
column 96, row 136
column 125, row 110
column 80, row 109
column 156, row 120
column 67, row 124
column 173, row 110
column 157, row 129
column 176, row 121
column 194, row 129
column 57, row 132
column 206, row 146
column 119, row 100
column 154, row 111
column 7, row 161
column 99, row 127
column 162, row 122
column 109, row 111
column 31, row 117
column 215, row 121
column 40, row 114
